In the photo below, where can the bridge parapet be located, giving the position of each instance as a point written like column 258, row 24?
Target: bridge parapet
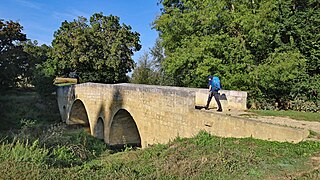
column 230, row 100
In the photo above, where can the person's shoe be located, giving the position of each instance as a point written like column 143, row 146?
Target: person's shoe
column 219, row 110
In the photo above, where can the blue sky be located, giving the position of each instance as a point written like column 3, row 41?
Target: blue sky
column 40, row 18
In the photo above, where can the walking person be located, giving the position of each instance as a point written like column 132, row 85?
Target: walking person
column 214, row 87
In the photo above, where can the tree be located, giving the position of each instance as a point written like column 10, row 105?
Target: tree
column 158, row 57
column 241, row 40
column 198, row 41
column 39, row 73
column 304, row 26
column 143, row 73
column 281, row 77
column 13, row 59
column 150, row 68
column 98, row 51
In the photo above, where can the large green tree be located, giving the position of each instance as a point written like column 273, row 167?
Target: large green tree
column 98, row 51
column 265, row 47
column 303, row 25
column 13, row 61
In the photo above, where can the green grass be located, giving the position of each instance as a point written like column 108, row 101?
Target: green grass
column 41, row 148
column 19, row 107
column 306, row 116
column 201, row 157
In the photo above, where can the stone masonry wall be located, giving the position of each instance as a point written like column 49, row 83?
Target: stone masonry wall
column 163, row 113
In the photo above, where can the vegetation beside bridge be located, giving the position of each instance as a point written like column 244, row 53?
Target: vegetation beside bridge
column 38, row 147
column 76, row 155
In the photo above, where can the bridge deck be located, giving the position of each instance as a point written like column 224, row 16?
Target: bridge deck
column 145, row 114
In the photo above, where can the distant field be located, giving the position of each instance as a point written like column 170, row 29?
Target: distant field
column 306, row 116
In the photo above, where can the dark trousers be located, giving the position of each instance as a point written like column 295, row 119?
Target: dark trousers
column 216, row 95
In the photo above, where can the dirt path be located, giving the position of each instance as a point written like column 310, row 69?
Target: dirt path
column 285, row 121
column 314, row 126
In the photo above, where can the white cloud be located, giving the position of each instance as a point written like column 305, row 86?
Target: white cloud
column 70, row 15
column 29, row 4
column 80, row 13
column 63, row 15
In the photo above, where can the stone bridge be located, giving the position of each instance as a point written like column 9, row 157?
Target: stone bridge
column 142, row 115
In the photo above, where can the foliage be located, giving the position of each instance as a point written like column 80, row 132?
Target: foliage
column 21, row 108
column 99, row 50
column 150, row 70
column 50, row 150
column 57, row 146
column 288, row 68
column 22, row 61
column 158, row 56
column 201, row 157
column 269, row 48
column 143, row 73
column 157, row 53
column 18, row 151
column 43, row 83
column 13, row 61
column 63, row 156
column 40, row 73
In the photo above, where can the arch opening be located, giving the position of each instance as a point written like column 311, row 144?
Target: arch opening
column 124, row 131
column 79, row 116
column 99, row 129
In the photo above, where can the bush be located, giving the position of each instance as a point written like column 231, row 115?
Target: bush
column 22, row 151
column 64, row 156
column 43, row 83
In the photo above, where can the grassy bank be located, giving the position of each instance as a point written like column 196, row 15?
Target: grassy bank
column 35, row 145
column 305, row 116
column 18, row 108
column 201, row 157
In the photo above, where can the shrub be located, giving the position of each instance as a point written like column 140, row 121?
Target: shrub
column 20, row 151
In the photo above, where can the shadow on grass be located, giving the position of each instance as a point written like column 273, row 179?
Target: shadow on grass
column 21, row 107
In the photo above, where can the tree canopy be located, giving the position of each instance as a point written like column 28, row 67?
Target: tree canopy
column 98, row 51
column 150, row 69
column 40, row 73
column 13, row 61
column 144, row 73
column 268, row 48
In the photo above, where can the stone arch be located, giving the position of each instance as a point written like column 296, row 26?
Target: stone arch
column 124, row 131
column 99, row 129
column 79, row 115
